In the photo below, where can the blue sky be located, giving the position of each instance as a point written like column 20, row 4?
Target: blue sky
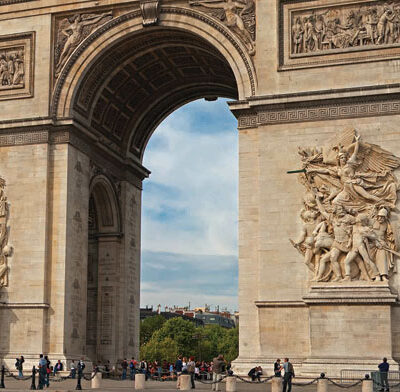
column 189, row 218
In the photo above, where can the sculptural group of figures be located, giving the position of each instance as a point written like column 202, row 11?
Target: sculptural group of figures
column 331, row 29
column 351, row 191
column 5, row 249
column 238, row 15
column 12, row 70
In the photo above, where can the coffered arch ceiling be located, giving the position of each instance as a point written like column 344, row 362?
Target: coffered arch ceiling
column 136, row 83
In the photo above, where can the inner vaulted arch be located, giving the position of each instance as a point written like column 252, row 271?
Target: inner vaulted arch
column 134, row 85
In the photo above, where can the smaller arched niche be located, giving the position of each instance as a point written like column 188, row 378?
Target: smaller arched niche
column 104, row 234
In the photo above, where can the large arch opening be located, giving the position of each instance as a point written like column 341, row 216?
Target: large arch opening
column 120, row 88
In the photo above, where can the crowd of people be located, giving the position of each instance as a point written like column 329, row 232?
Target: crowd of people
column 162, row 371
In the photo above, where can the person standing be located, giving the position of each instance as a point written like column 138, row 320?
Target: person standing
column 48, row 371
column 42, row 371
column 124, row 365
column 217, row 369
column 383, row 373
column 191, row 367
column 19, row 366
column 132, row 367
column 73, row 370
column 178, row 370
column 287, row 377
column 278, row 368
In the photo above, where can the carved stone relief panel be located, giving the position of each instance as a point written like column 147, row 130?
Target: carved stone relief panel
column 239, row 16
column 71, row 30
column 16, row 65
column 311, row 34
column 350, row 195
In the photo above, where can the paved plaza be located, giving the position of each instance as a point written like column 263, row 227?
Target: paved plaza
column 112, row 385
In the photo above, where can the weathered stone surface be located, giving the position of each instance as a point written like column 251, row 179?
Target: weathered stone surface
column 71, row 156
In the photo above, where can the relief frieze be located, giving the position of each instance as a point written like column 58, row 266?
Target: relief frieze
column 238, row 15
column 70, row 31
column 16, row 66
column 321, row 35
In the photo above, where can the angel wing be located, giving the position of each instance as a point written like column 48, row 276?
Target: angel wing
column 344, row 139
column 375, row 159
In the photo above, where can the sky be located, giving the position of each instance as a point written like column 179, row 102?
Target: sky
column 190, row 212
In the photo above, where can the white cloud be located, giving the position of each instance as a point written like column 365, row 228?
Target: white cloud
column 190, row 200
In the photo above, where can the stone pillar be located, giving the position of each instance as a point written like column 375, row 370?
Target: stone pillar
column 96, row 381
column 140, row 381
column 231, row 384
column 276, row 384
column 367, row 386
column 186, row 385
column 322, row 385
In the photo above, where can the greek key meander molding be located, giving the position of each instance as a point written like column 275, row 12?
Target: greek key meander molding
column 132, row 15
column 8, row 2
column 318, row 113
column 315, row 35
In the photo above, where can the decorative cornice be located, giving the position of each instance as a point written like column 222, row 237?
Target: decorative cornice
column 24, row 305
column 280, row 304
column 135, row 14
column 317, row 110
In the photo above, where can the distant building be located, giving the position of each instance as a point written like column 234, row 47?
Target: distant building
column 216, row 319
column 150, row 312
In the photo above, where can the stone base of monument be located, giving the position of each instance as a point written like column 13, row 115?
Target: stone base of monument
column 336, row 327
column 350, row 327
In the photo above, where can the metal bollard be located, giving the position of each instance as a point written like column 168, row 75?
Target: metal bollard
column 230, row 384
column 33, row 385
column 186, row 384
column 276, row 384
column 367, row 384
column 322, row 384
column 96, row 380
column 3, row 371
column 140, row 380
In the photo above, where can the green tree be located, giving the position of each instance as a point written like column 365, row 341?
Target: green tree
column 148, row 326
column 154, row 350
column 229, row 344
column 182, row 332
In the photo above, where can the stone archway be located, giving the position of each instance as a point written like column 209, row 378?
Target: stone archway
column 111, row 94
column 104, row 230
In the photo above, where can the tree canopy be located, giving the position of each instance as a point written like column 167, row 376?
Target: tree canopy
column 165, row 340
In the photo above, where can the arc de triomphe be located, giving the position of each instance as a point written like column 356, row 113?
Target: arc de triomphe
column 315, row 88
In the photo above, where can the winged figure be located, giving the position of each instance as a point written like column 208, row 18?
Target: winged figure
column 351, row 187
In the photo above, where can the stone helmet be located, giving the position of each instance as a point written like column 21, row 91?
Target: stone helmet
column 383, row 212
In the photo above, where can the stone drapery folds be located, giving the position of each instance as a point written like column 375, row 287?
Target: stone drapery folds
column 5, row 249
column 350, row 191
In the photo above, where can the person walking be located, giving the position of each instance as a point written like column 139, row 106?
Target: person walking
column 287, row 377
column 124, row 365
column 383, row 373
column 191, row 367
column 278, row 368
column 218, row 368
column 178, row 370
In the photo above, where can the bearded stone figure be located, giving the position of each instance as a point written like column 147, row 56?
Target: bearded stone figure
column 351, row 191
